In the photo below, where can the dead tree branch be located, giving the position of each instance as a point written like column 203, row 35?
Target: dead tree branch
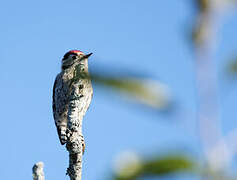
column 37, row 170
column 75, row 141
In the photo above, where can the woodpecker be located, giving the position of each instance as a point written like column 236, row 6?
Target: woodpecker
column 74, row 73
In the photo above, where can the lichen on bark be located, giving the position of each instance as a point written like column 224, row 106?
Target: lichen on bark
column 75, row 140
column 37, row 171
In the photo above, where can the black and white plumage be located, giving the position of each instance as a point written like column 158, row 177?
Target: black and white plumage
column 71, row 83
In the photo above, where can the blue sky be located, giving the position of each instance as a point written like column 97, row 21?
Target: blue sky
column 139, row 36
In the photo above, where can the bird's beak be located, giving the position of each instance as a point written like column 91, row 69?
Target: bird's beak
column 88, row 55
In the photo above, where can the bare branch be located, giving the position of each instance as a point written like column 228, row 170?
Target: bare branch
column 37, row 170
column 75, row 141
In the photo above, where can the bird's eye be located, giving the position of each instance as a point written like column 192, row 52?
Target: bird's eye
column 74, row 57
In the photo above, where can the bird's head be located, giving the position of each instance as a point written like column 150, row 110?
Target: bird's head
column 72, row 57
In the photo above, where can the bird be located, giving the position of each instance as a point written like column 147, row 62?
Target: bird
column 74, row 74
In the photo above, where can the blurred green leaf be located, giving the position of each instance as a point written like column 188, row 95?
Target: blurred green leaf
column 232, row 67
column 156, row 167
column 168, row 164
column 145, row 91
column 203, row 5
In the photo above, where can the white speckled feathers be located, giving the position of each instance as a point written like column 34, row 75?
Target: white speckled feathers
column 75, row 76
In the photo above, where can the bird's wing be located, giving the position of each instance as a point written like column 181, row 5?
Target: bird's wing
column 60, row 107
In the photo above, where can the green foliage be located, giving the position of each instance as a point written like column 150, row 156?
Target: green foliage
column 145, row 91
column 203, row 5
column 157, row 166
column 168, row 164
column 232, row 67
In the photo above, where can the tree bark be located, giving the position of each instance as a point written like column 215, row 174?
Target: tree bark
column 75, row 141
column 37, row 170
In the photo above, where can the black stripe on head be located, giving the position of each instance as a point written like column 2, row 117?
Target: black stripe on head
column 68, row 54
